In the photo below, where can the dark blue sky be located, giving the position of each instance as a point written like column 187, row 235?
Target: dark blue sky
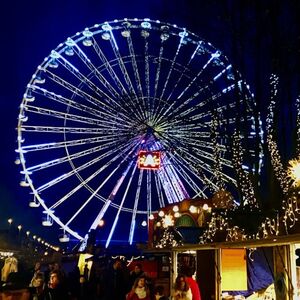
column 257, row 36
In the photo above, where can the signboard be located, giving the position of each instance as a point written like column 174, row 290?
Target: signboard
column 149, row 160
column 234, row 270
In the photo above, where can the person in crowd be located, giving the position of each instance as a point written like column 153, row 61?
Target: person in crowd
column 47, row 272
column 37, row 274
column 181, row 290
column 188, row 272
column 38, row 291
column 57, row 267
column 97, row 281
column 56, row 290
column 83, row 292
column 139, row 290
column 159, row 293
column 73, row 283
column 116, row 282
column 136, row 273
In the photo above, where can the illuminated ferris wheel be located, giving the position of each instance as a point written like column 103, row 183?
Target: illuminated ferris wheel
column 126, row 117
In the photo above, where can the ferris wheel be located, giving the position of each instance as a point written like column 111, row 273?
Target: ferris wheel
column 127, row 117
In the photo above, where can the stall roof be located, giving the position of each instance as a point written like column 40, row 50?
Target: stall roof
column 269, row 242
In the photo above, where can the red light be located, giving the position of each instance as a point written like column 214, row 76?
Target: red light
column 149, row 160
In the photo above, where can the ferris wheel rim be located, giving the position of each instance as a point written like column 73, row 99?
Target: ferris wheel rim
column 90, row 32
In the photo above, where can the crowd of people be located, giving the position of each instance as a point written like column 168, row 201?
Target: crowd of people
column 106, row 282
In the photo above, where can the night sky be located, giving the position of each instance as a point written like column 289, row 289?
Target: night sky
column 258, row 37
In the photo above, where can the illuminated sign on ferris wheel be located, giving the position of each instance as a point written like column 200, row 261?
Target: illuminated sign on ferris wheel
column 149, row 160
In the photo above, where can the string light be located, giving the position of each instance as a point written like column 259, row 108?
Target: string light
column 216, row 152
column 277, row 165
column 168, row 239
column 244, row 181
column 222, row 224
column 27, row 233
column 290, row 193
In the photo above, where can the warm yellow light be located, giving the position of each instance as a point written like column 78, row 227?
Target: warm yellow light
column 101, row 223
column 193, row 209
column 10, row 220
column 294, row 171
column 161, row 213
column 205, row 207
column 175, row 208
column 177, row 214
column 144, row 223
column 167, row 221
column 151, row 217
column 19, row 227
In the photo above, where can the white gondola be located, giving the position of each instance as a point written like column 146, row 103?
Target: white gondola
column 64, row 238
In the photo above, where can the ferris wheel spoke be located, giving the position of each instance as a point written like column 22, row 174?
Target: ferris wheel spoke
column 122, row 66
column 207, row 182
column 186, row 173
column 83, row 183
column 192, row 144
column 191, row 166
column 107, row 202
column 121, row 204
column 174, row 191
column 185, row 111
column 180, row 110
column 163, row 104
column 192, row 158
column 205, row 167
column 72, row 117
column 66, row 158
column 88, row 200
column 178, row 187
column 167, row 187
column 101, row 105
column 132, row 101
column 81, row 77
column 74, row 130
column 192, row 81
column 125, row 95
column 148, row 104
column 198, row 92
column 76, row 105
column 135, row 207
column 185, row 70
column 139, row 104
column 80, row 53
column 173, row 63
column 159, row 191
column 157, row 74
column 196, row 78
column 135, row 67
column 63, row 144
column 77, row 170
column 207, row 101
column 185, row 125
column 149, row 192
